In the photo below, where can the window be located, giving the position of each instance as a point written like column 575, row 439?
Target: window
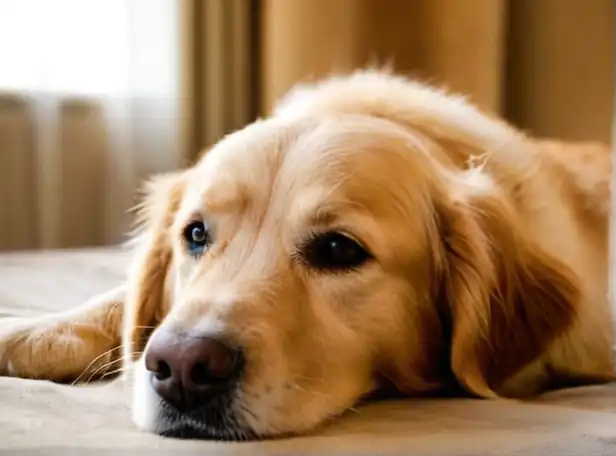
column 89, row 47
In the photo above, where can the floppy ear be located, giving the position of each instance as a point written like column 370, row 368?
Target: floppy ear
column 508, row 300
column 149, row 279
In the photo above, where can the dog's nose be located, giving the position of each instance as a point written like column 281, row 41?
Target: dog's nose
column 188, row 371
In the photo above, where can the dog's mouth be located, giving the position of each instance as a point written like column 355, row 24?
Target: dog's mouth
column 209, row 431
column 216, row 421
column 227, row 429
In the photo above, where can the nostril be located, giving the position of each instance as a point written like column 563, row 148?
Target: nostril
column 162, row 371
column 200, row 374
column 218, row 365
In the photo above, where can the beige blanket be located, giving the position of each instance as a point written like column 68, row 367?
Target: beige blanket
column 54, row 418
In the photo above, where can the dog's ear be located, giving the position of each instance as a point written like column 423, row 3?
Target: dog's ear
column 506, row 298
column 149, row 279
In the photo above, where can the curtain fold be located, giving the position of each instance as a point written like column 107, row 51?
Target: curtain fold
column 560, row 68
column 546, row 65
column 445, row 42
column 96, row 96
column 87, row 114
column 225, row 68
column 612, row 232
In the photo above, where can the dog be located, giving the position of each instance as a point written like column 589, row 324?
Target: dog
column 373, row 232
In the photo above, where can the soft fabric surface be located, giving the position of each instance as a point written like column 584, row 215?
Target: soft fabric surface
column 41, row 415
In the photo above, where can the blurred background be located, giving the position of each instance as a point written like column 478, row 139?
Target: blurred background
column 96, row 95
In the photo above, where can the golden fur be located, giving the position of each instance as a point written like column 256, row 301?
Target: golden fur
column 489, row 271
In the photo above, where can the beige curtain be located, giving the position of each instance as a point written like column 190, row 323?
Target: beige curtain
column 225, row 62
column 97, row 95
column 544, row 64
column 612, row 232
column 89, row 106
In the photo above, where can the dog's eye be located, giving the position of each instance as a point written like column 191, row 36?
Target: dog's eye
column 197, row 237
column 334, row 251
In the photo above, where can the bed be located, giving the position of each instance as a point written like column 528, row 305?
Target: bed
column 57, row 418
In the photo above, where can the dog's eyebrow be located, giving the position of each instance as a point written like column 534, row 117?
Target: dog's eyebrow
column 320, row 211
column 223, row 195
column 322, row 215
column 217, row 196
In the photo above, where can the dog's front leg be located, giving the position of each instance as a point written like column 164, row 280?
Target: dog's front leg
column 75, row 345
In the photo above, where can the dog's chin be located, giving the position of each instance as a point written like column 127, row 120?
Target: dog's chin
column 216, row 421
column 224, row 427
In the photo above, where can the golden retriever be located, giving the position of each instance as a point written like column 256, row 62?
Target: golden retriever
column 373, row 232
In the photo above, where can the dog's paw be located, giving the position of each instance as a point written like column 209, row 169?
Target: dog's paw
column 56, row 349
column 13, row 333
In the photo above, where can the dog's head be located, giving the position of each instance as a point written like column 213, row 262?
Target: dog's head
column 308, row 259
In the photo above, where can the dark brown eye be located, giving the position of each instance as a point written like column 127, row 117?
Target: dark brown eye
column 196, row 237
column 334, row 251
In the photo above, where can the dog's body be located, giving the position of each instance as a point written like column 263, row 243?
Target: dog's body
column 475, row 256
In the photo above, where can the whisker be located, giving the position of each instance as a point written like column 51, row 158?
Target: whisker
column 92, row 363
column 319, row 393
column 113, row 372
column 246, row 410
column 101, row 368
column 305, row 390
column 310, row 379
column 354, row 410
